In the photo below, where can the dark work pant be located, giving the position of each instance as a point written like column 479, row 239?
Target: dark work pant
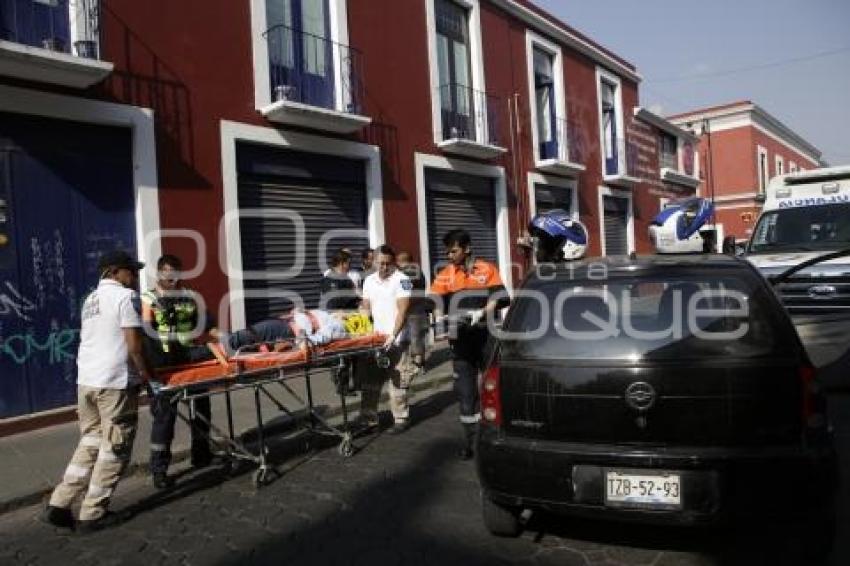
column 467, row 358
column 164, row 412
column 265, row 331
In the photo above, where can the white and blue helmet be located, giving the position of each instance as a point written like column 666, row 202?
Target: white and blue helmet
column 676, row 229
column 557, row 232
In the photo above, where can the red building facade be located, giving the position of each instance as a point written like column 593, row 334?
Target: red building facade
column 742, row 148
column 255, row 137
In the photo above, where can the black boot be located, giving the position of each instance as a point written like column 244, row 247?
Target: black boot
column 469, row 431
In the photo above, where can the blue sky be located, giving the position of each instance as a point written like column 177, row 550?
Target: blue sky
column 791, row 57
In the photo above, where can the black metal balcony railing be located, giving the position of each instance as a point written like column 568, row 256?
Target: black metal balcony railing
column 669, row 161
column 562, row 140
column 66, row 26
column 469, row 114
column 623, row 160
column 303, row 68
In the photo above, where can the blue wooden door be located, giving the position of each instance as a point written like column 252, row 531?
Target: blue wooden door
column 36, row 23
column 301, row 51
column 71, row 198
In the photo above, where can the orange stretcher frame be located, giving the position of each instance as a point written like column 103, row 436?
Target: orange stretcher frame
column 258, row 371
column 213, row 371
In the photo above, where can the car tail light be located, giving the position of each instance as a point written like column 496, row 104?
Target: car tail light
column 491, row 397
column 812, row 408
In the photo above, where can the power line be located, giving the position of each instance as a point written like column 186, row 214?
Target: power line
column 738, row 70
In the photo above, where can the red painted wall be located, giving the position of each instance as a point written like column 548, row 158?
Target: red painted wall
column 194, row 67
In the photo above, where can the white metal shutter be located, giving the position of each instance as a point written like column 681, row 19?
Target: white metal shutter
column 616, row 225
column 455, row 200
column 548, row 197
column 330, row 194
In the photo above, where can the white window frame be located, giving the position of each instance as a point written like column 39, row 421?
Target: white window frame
column 338, row 17
column 532, row 41
column 779, row 164
column 140, row 122
column 561, row 182
column 605, row 191
column 792, row 167
column 762, row 175
column 604, row 75
column 424, row 161
column 230, row 252
column 476, row 62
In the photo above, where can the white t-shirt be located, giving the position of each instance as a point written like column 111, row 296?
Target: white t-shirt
column 383, row 295
column 102, row 360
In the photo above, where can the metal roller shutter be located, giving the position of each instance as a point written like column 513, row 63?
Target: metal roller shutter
column 616, row 225
column 548, row 197
column 324, row 201
column 455, row 200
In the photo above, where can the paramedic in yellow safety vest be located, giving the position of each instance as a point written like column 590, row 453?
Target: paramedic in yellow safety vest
column 469, row 284
column 171, row 316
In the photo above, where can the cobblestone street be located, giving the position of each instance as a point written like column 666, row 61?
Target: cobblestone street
column 400, row 500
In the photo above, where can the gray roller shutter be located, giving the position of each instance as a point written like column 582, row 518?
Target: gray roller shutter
column 327, row 192
column 548, row 197
column 455, row 200
column 616, row 217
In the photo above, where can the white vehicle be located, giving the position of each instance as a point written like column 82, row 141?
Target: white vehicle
column 807, row 215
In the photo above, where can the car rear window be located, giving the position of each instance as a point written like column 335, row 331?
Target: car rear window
column 645, row 318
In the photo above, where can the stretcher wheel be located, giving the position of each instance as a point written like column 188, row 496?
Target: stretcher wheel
column 346, row 447
column 260, row 477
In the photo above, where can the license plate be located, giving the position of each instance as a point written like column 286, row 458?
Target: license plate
column 625, row 488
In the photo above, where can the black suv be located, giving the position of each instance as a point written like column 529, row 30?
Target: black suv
column 664, row 389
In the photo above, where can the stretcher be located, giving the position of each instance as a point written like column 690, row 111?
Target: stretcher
column 255, row 368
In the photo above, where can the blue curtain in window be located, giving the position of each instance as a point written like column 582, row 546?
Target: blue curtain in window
column 38, row 23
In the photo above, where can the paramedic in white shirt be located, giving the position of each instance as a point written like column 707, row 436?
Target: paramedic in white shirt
column 386, row 297
column 111, row 369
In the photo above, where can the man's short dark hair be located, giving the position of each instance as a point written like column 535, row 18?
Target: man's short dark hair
column 459, row 237
column 385, row 250
column 171, row 261
column 340, row 257
column 365, row 253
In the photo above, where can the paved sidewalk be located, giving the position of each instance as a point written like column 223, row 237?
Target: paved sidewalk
column 33, row 462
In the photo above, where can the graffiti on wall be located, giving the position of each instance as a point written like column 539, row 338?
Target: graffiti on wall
column 13, row 303
column 58, row 346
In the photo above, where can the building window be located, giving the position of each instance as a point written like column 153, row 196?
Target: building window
column 761, row 165
column 544, row 100
column 455, row 70
column 667, row 155
column 780, row 165
column 609, row 128
column 792, row 167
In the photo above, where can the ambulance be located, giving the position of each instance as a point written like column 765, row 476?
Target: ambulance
column 807, row 215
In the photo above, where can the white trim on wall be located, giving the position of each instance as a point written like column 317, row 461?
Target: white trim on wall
column 630, row 229
column 476, row 62
column 230, row 242
column 745, row 119
column 541, row 179
column 140, row 121
column 426, row 161
column 602, row 74
column 533, row 40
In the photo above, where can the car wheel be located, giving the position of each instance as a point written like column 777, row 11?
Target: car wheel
column 500, row 520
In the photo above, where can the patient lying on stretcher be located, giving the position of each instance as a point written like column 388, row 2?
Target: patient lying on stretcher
column 309, row 327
